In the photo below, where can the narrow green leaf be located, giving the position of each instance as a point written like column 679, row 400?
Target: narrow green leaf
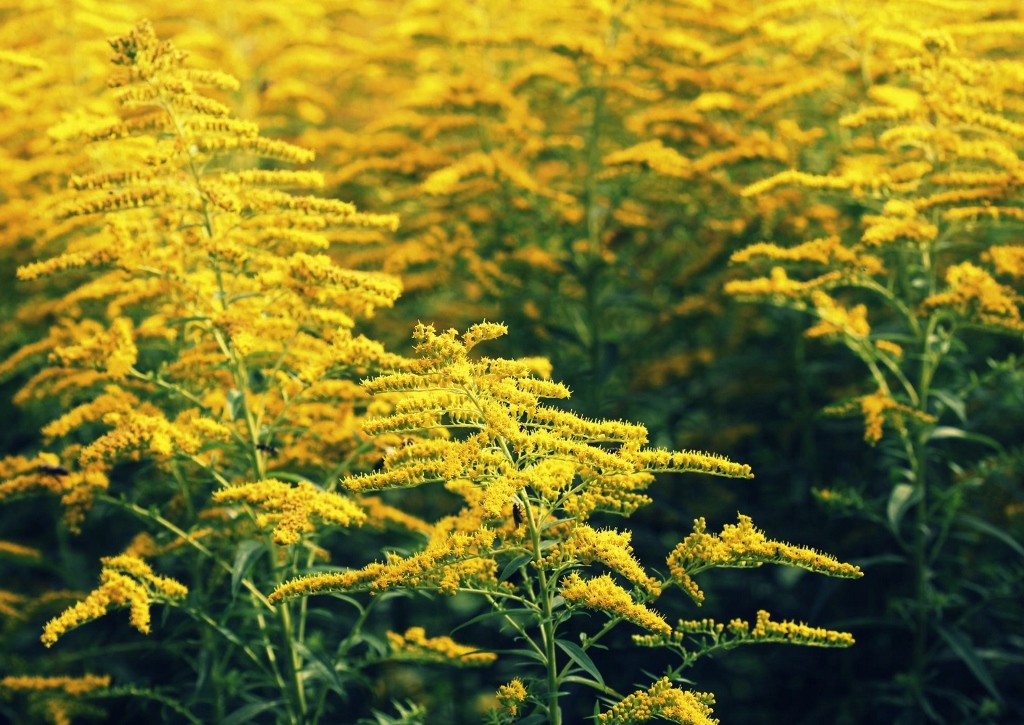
column 317, row 662
column 952, row 402
column 513, row 566
column 526, row 614
column 586, row 681
column 235, row 401
column 903, row 496
column 577, row 655
column 246, row 712
column 991, row 530
column 248, row 552
column 534, row 719
column 948, row 431
column 963, row 649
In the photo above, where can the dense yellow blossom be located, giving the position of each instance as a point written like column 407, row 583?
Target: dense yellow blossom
column 291, row 509
column 612, row 549
column 765, row 630
column 125, row 581
column 879, row 408
column 744, row 546
column 604, row 595
column 974, row 295
column 709, row 634
column 414, row 646
column 512, row 695
column 662, row 701
column 69, row 685
column 837, row 319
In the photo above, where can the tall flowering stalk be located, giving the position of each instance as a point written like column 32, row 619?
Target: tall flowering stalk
column 531, row 477
column 935, row 161
column 208, row 353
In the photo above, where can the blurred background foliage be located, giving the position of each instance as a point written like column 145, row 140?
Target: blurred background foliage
column 574, row 169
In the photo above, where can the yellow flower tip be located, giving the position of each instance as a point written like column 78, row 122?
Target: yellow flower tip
column 69, row 685
column 326, row 583
column 125, row 581
column 603, row 594
column 414, row 646
column 293, row 509
column 662, row 701
column 481, row 332
column 742, row 545
column 511, row 695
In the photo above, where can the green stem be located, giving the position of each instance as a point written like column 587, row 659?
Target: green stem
column 929, row 363
column 187, row 538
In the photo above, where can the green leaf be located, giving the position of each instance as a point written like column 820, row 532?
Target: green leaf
column 963, row 649
column 903, row 496
column 236, row 401
column 534, row 719
column 577, row 655
column 526, row 614
column 513, row 566
column 953, row 403
column 523, row 652
column 586, row 681
column 317, row 662
column 246, row 712
column 248, row 552
column 947, row 431
column 991, row 530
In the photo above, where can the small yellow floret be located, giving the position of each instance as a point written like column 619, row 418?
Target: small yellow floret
column 414, row 646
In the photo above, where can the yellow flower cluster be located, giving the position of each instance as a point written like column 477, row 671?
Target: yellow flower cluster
column 448, row 562
column 113, row 400
column 511, row 695
column 20, row 476
column 135, row 433
column 879, row 408
column 290, row 509
column 113, row 350
column 612, row 549
column 125, row 581
column 744, row 546
column 604, row 595
column 414, row 646
column 976, row 297
column 68, row 685
column 662, row 701
column 779, row 288
column 765, row 630
column 838, row 320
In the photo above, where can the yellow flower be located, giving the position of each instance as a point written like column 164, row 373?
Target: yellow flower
column 603, row 594
column 69, row 685
column 612, row 549
column 837, row 319
column 511, row 695
column 125, row 581
column 743, row 546
column 414, row 646
column 974, row 295
column 290, row 509
column 879, row 408
column 663, row 701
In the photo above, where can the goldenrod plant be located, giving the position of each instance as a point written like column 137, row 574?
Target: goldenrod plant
column 211, row 344
column 575, row 170
column 186, row 344
column 532, row 477
column 930, row 270
column 207, row 367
